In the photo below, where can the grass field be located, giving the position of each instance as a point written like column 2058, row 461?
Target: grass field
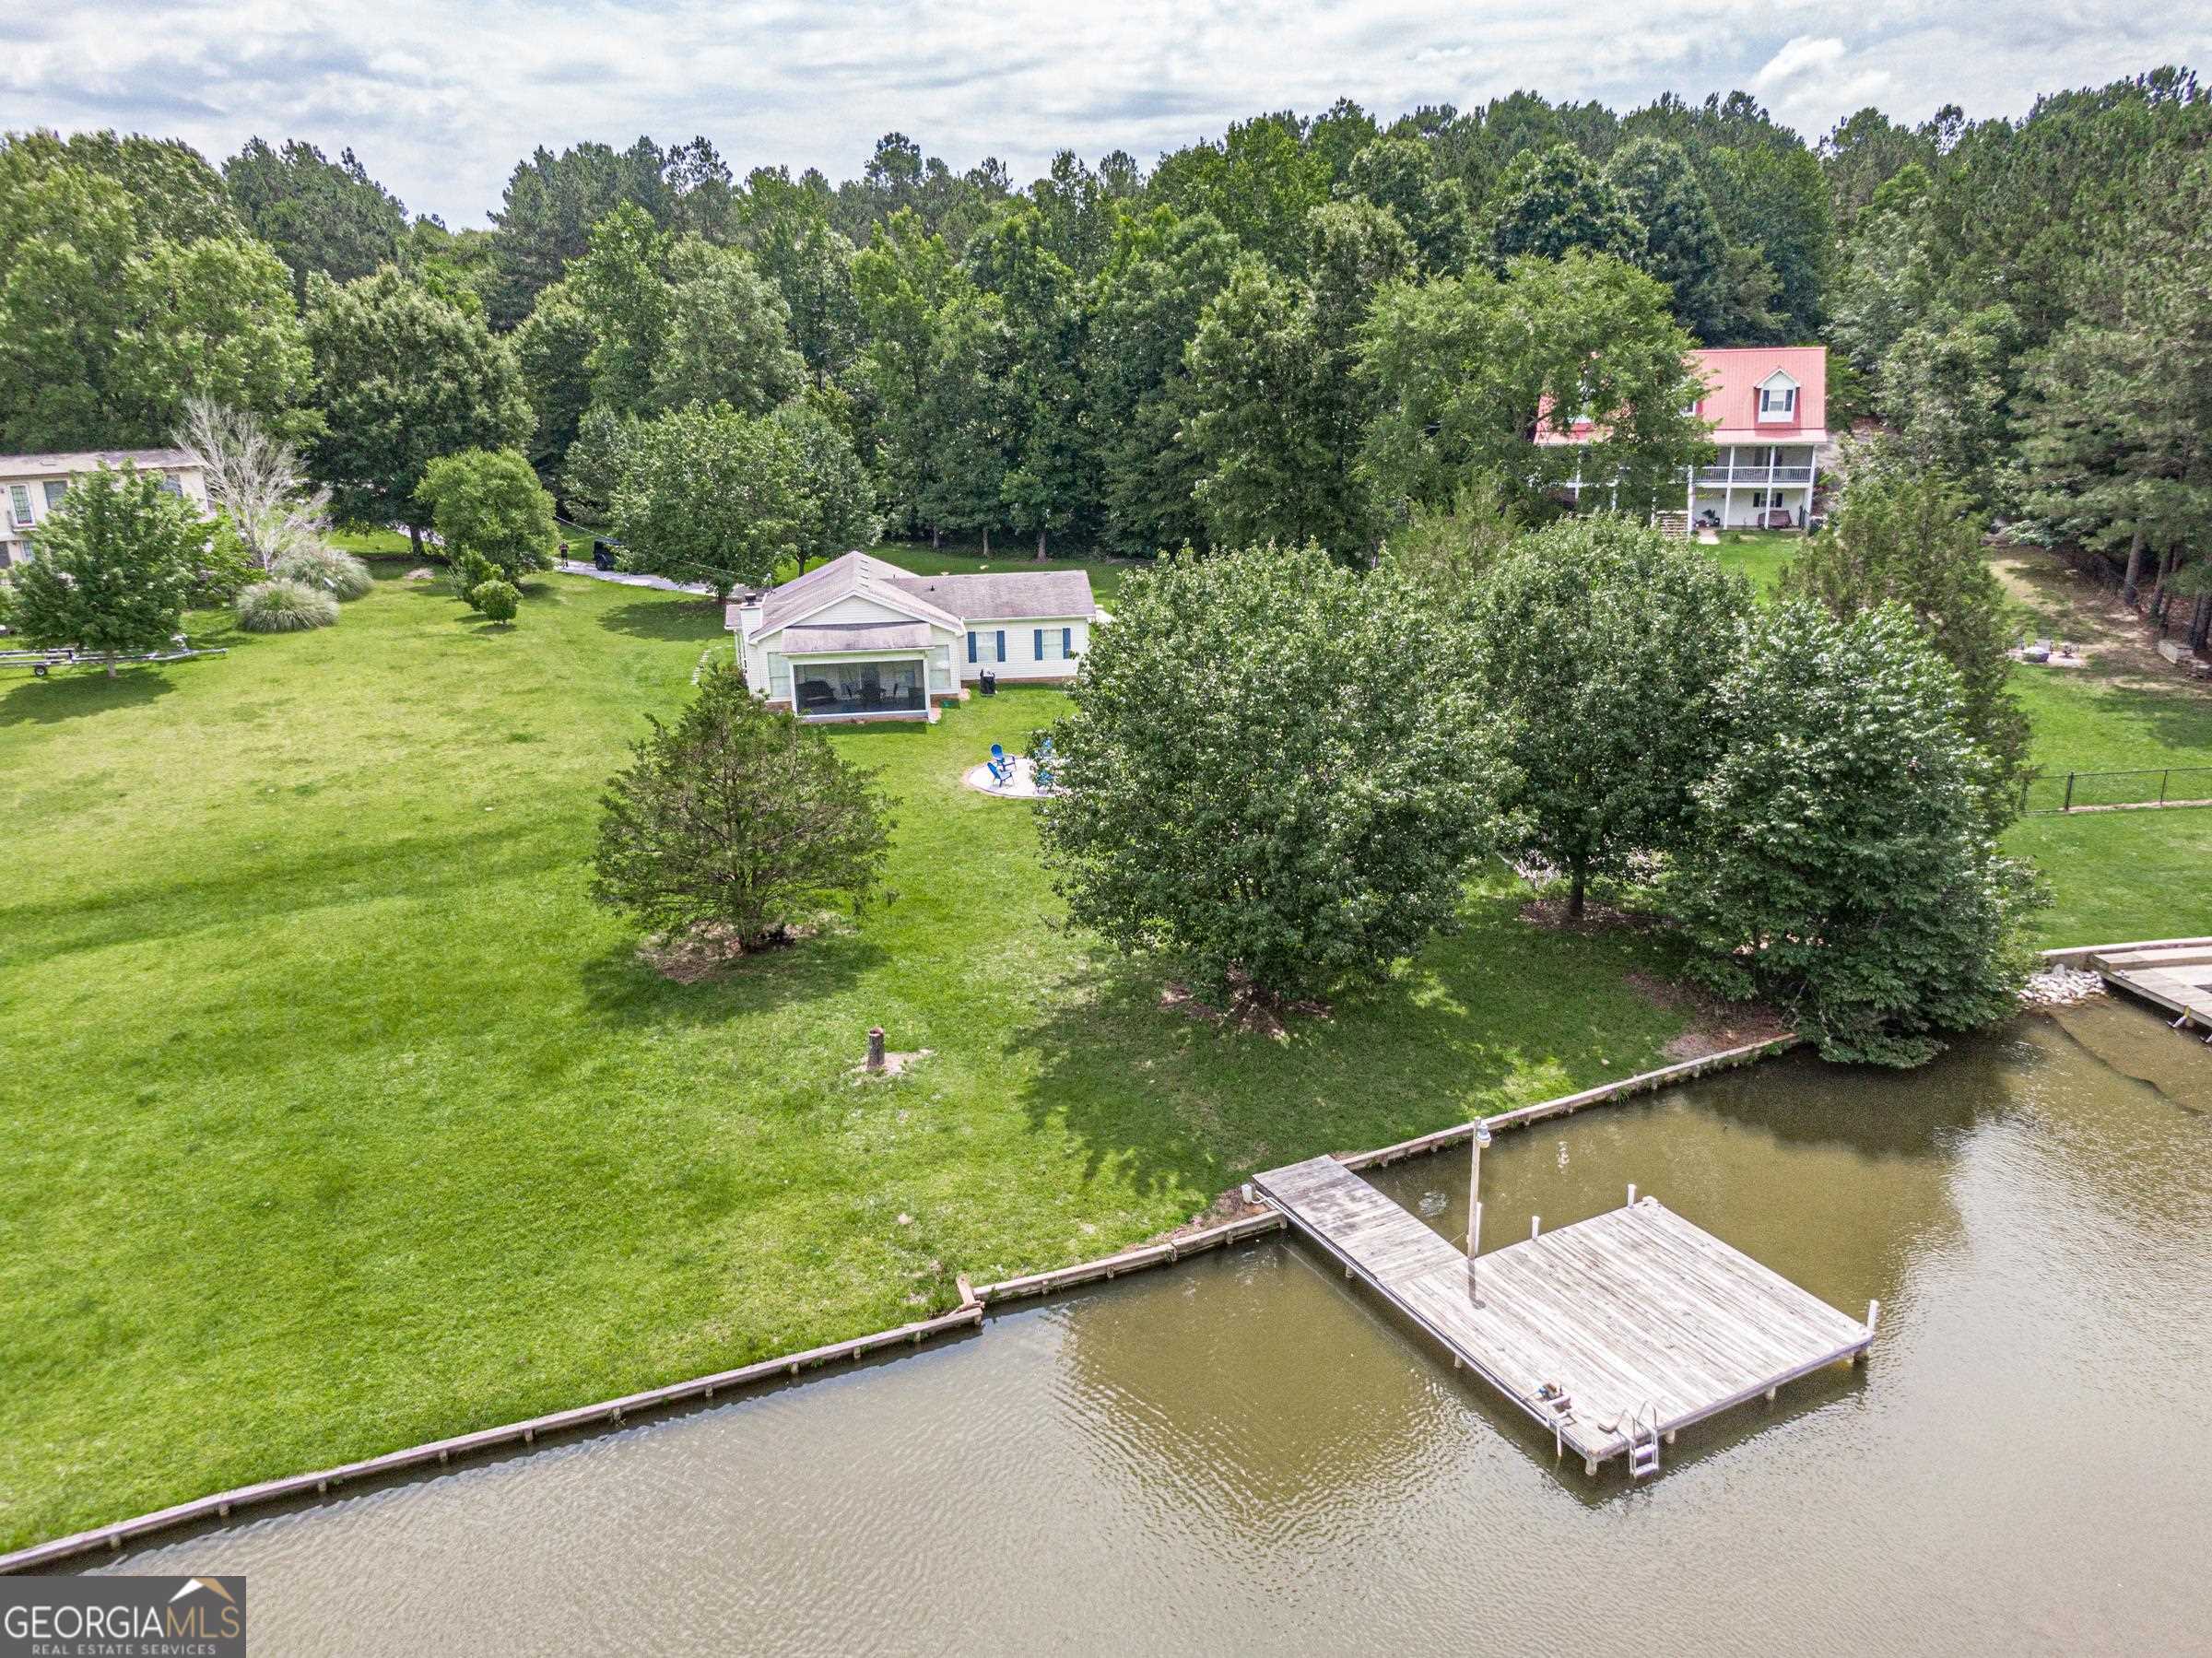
column 1760, row 555
column 2115, row 874
column 340, row 1120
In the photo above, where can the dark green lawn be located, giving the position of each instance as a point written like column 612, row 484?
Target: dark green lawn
column 340, row 1120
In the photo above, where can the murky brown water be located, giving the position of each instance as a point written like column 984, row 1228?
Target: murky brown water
column 1244, row 1453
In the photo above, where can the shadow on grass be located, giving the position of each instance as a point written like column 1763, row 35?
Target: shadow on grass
column 621, row 989
column 291, row 878
column 673, row 618
column 71, row 693
column 1504, row 1013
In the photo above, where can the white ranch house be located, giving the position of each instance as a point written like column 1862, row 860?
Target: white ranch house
column 860, row 639
column 31, row 486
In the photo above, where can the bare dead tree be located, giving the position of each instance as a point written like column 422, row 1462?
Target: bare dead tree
column 256, row 478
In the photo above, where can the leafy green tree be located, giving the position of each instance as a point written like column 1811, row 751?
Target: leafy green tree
column 488, row 502
column 1906, row 536
column 1549, row 201
column 551, row 204
column 1400, row 173
column 114, row 566
column 1843, row 868
column 622, row 284
column 128, row 286
column 592, row 468
column 460, row 266
column 2117, row 431
column 1600, row 646
column 495, row 600
column 906, row 283
column 1276, row 772
column 1884, row 283
column 836, row 503
column 1465, row 369
column 318, row 214
column 1945, row 389
column 1046, row 484
column 1259, row 182
column 1863, row 152
column 709, row 495
column 728, row 333
column 552, row 351
column 1265, row 420
column 1680, row 241
column 786, row 227
column 737, row 818
column 1163, row 274
column 402, row 377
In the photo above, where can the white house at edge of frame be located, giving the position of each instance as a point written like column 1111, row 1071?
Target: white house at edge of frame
column 31, row 486
column 1768, row 409
column 861, row 639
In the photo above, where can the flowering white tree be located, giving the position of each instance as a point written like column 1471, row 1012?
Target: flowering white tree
column 257, row 479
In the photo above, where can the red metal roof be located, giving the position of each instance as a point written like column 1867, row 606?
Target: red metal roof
column 1733, row 376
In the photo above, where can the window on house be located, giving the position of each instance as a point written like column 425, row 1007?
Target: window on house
column 1776, row 401
column 56, row 490
column 1054, row 643
column 988, row 646
column 168, row 485
column 19, row 501
column 778, row 677
column 940, row 668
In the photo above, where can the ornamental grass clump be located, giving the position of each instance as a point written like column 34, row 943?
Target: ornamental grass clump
column 340, row 574
column 283, row 605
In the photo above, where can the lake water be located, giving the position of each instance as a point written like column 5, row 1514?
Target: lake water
column 1245, row 1453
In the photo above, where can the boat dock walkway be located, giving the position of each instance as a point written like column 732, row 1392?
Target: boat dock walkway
column 2175, row 977
column 1612, row 1333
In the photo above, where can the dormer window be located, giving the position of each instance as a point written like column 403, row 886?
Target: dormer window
column 1778, row 398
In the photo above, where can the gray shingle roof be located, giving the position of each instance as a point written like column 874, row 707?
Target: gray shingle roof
column 995, row 596
column 949, row 601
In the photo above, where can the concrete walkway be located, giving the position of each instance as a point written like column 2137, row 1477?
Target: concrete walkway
column 570, row 567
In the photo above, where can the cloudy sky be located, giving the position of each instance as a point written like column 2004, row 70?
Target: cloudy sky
column 441, row 100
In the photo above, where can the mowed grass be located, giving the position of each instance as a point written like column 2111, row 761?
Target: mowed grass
column 339, row 1119
column 2114, row 874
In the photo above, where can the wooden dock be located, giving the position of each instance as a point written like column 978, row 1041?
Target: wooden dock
column 1612, row 1333
column 2175, row 977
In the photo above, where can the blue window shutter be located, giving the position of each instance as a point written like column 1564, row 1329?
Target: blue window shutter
column 1067, row 643
column 972, row 644
column 1039, row 644
column 1002, row 644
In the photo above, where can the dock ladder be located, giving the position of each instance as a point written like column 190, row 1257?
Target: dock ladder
column 1643, row 1442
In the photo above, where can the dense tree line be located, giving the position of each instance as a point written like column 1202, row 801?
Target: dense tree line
column 1315, row 328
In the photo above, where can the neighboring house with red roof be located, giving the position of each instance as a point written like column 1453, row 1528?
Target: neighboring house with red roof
column 1768, row 406
column 860, row 639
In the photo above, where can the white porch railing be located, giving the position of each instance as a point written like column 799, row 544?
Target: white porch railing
column 1752, row 478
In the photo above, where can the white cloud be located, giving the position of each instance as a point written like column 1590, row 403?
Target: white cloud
column 441, row 100
column 1800, row 56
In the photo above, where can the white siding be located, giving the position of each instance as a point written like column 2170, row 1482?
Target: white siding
column 1021, row 660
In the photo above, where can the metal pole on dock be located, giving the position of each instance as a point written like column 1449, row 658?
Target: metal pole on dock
column 1480, row 1138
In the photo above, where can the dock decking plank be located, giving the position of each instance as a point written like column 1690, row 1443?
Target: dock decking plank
column 1637, row 1309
